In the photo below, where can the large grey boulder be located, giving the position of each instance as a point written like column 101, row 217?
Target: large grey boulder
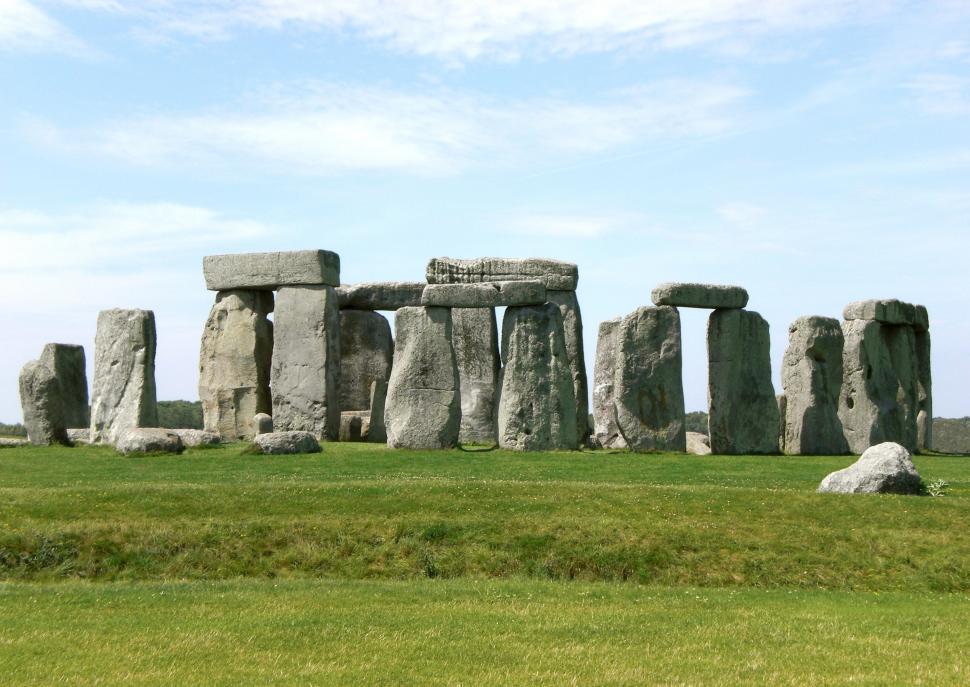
column 537, row 403
column 698, row 444
column 648, row 388
column 887, row 311
column 148, row 440
column 192, row 438
column 386, row 295
column 475, row 339
column 606, row 433
column 306, row 361
column 699, row 295
column 572, row 322
column 553, row 274
column 811, row 374
column 885, row 468
column 234, row 362
column 123, row 394
column 490, row 294
column 743, row 411
column 67, row 363
column 271, row 270
column 366, row 354
column 42, row 404
column 423, row 406
column 286, row 443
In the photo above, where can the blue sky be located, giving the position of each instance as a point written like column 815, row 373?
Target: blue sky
column 814, row 152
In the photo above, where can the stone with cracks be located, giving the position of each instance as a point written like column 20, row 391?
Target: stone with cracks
column 148, row 440
column 366, row 354
column 924, row 417
column 555, row 275
column 698, row 444
column 811, row 374
column 387, row 295
column 572, row 322
column 423, row 406
column 286, row 443
column 887, row 311
column 475, row 339
column 743, row 412
column 198, row 437
column 79, row 436
column 648, row 390
column 306, row 361
column 537, row 403
column 269, row 271
column 885, row 468
column 699, row 295
column 42, row 404
column 375, row 430
column 234, row 362
column 606, row 433
column 263, row 423
column 491, row 294
column 123, row 393
column 67, row 363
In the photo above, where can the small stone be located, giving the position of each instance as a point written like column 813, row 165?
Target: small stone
column 484, row 295
column 386, row 295
column 555, row 275
column 67, row 363
column 263, row 423
column 42, row 404
column 148, row 440
column 699, row 295
column 191, row 438
column 285, row 443
column 475, row 340
column 79, row 436
column 698, row 444
column 887, row 311
column 885, row 468
column 269, row 271
column 606, row 433
column 351, row 424
column 366, row 354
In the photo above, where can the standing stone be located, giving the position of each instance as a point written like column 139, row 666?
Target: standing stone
column 606, row 432
column 234, row 363
column 306, row 361
column 42, row 404
column 423, row 406
column 537, row 403
column 811, row 375
column 376, row 431
column 743, row 411
column 924, row 417
column 782, row 413
column 366, row 354
column 263, row 423
column 648, row 388
column 67, row 363
column 475, row 338
column 123, row 395
column 572, row 321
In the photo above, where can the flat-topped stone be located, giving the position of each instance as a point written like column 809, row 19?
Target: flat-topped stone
column 269, row 270
column 382, row 295
column 554, row 274
column 699, row 295
column 491, row 294
column 286, row 443
column 887, row 311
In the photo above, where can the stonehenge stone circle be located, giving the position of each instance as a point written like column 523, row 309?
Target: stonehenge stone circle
column 42, row 402
column 572, row 321
column 263, row 423
column 699, row 295
column 606, row 433
column 889, row 311
column 423, row 406
column 811, row 375
column 388, row 295
column 366, row 354
column 648, row 392
column 475, row 340
column 885, row 468
column 148, row 440
column 743, row 411
column 123, row 394
column 485, row 294
column 67, row 363
column 555, row 275
column 537, row 405
column 306, row 361
column 287, row 443
column 234, row 362
column 271, row 270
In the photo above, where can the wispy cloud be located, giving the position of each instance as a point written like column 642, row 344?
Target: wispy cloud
column 942, row 93
column 574, row 226
column 26, row 28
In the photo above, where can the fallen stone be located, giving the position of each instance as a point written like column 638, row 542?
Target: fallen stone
column 888, row 311
column 366, row 354
column 67, row 363
column 698, row 444
column 491, row 294
column 123, row 395
column 537, row 404
column 606, row 433
column 556, row 275
column 924, row 382
column 475, row 340
column 885, row 468
column 263, row 423
column 743, row 413
column 386, row 295
column 285, row 443
column 572, row 322
column 648, row 390
column 148, row 440
column 42, row 404
column 811, row 374
column 269, row 271
column 423, row 406
column 79, row 436
column 374, row 431
column 13, row 443
column 192, row 438
column 306, row 361
column 699, row 295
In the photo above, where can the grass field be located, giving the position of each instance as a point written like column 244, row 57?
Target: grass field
column 363, row 565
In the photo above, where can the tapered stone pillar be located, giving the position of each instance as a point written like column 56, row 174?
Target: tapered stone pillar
column 475, row 337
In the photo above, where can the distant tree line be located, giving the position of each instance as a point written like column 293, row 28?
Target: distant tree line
column 180, row 414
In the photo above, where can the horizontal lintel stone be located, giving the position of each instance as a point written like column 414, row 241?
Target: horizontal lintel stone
column 887, row 311
column 485, row 294
column 384, row 295
column 711, row 296
column 554, row 274
column 267, row 271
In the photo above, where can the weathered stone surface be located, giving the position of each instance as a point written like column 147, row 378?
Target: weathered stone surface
column 271, row 270
column 562, row 276
column 351, row 424
column 42, row 404
column 13, row 443
column 699, row 295
column 123, row 394
column 306, row 361
column 67, row 363
column 490, row 294
column 880, row 388
column 537, row 403
column 79, row 436
column 263, row 423
column 375, row 432
column 366, row 354
column 289, row 442
column 386, row 295
column 921, row 320
column 475, row 339
column 606, row 433
column 885, row 468
column 743, row 411
column 198, row 437
column 423, row 407
column 887, row 311
column 648, row 389
column 148, row 440
column 698, row 444
column 782, row 413
column 234, row 362
column 572, row 322
column 811, row 375
column 924, row 416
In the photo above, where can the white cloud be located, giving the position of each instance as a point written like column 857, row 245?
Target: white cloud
column 25, row 28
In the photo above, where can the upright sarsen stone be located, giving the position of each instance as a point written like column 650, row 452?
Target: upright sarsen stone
column 306, row 361
column 123, row 395
column 743, row 411
column 572, row 321
column 648, row 388
column 537, row 403
column 67, row 363
column 42, row 404
column 234, row 363
column 423, row 406
column 924, row 417
column 605, row 431
column 366, row 354
column 475, row 339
